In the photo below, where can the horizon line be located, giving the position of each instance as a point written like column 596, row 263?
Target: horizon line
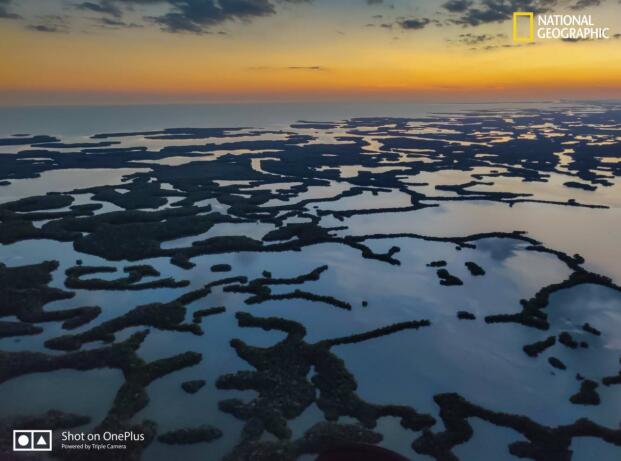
column 307, row 102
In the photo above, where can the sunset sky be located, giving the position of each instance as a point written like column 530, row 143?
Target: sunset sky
column 160, row 51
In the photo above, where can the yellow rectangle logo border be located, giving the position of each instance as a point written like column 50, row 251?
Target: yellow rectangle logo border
column 531, row 17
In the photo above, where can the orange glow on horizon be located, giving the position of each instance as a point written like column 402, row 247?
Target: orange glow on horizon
column 190, row 68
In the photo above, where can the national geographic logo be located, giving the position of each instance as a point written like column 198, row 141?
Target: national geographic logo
column 568, row 27
column 518, row 17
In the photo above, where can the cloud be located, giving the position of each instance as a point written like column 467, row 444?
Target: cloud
column 309, row 68
column 104, row 7
column 5, row 13
column 44, row 28
column 476, row 39
column 581, row 4
column 116, row 23
column 111, row 22
column 457, row 6
column 489, row 11
column 516, row 45
column 485, row 42
column 575, row 40
column 198, row 16
column 50, row 24
column 406, row 23
column 305, row 68
column 48, row 28
column 413, row 23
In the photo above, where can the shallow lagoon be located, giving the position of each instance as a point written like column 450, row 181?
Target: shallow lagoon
column 483, row 362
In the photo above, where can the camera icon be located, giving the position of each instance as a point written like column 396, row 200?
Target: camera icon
column 32, row 440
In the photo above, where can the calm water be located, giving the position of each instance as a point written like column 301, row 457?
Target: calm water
column 484, row 363
column 87, row 120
